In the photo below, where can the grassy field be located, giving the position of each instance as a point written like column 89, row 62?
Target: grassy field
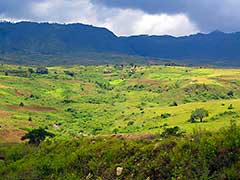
column 114, row 99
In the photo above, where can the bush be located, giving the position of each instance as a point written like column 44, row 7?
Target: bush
column 42, row 70
column 130, row 123
column 30, row 70
column 174, row 104
column 173, row 131
column 115, row 130
column 69, row 73
column 165, row 115
column 230, row 94
column 230, row 106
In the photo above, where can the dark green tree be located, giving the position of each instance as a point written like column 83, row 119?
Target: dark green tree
column 115, row 131
column 174, row 104
column 69, row 73
column 37, row 135
column 42, row 70
column 30, row 70
column 199, row 113
column 230, row 94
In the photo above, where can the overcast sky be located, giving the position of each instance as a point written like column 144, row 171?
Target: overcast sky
column 131, row 17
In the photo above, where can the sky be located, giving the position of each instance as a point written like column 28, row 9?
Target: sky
column 131, row 17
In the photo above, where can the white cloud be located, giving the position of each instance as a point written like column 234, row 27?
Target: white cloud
column 202, row 15
column 120, row 21
column 128, row 22
column 65, row 11
column 5, row 18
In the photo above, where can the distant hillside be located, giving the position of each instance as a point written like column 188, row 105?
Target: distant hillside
column 215, row 48
column 43, row 43
column 35, row 43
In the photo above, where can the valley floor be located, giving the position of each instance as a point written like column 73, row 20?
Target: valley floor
column 119, row 122
column 114, row 99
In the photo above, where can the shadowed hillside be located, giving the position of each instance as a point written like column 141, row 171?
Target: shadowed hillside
column 44, row 43
column 54, row 44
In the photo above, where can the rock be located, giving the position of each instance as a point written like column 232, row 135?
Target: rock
column 89, row 176
column 56, row 126
column 119, row 171
column 156, row 146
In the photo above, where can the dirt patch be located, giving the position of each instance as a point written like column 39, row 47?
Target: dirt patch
column 19, row 93
column 22, row 93
column 88, row 88
column 148, row 82
column 11, row 135
column 86, row 92
column 89, row 85
column 134, row 136
column 34, row 108
column 4, row 114
column 229, row 77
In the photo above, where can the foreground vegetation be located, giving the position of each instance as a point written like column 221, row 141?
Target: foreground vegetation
column 201, row 155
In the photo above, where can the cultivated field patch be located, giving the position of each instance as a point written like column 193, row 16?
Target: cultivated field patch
column 33, row 108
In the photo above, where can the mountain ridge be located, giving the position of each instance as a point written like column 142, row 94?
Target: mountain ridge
column 53, row 43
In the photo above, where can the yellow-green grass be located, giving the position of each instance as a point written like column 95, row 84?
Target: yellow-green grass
column 99, row 99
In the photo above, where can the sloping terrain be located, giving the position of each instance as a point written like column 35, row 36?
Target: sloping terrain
column 59, row 44
column 103, row 100
column 202, row 155
column 119, row 122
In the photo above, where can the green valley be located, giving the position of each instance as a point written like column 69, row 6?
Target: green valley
column 119, row 122
column 114, row 99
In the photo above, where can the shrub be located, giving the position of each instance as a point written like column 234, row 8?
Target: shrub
column 69, row 73
column 165, row 115
column 174, row 104
column 230, row 93
column 230, row 106
column 115, row 131
column 172, row 131
column 130, row 123
column 30, row 70
column 42, row 70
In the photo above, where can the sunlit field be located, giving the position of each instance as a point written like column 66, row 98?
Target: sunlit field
column 114, row 99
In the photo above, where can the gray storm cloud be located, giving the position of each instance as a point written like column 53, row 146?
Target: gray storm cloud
column 127, row 17
column 209, row 15
column 16, row 9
